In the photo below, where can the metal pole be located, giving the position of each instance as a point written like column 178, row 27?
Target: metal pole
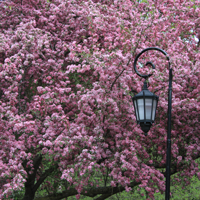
column 168, row 160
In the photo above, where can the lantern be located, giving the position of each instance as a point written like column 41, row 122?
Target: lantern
column 145, row 104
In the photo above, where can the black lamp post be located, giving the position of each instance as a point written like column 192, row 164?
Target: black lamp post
column 145, row 104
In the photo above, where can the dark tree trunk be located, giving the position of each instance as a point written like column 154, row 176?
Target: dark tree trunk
column 30, row 188
column 29, row 192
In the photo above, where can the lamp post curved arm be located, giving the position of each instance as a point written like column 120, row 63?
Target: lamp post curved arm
column 147, row 49
column 168, row 160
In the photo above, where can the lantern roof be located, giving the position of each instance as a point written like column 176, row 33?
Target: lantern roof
column 145, row 93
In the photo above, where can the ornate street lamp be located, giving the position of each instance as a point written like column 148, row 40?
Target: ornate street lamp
column 145, row 104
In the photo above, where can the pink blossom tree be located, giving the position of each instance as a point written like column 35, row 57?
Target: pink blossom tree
column 67, row 122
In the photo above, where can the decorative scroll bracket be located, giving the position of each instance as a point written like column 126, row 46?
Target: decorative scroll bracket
column 148, row 63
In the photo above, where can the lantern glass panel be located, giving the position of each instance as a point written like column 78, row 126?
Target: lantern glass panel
column 141, row 108
column 148, row 108
column 136, row 110
column 154, row 109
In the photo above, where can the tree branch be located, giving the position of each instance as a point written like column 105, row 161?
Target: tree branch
column 90, row 192
column 117, row 78
column 174, row 168
column 44, row 176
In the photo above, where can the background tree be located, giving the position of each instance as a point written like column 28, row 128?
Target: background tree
column 67, row 123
